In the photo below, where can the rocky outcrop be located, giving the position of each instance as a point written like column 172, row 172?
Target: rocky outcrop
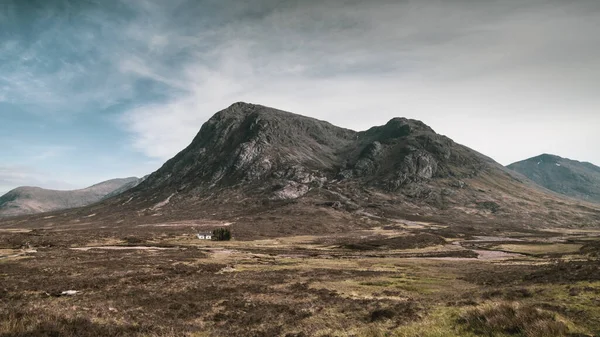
column 416, row 166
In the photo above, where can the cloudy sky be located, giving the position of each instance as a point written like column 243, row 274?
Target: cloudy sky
column 96, row 89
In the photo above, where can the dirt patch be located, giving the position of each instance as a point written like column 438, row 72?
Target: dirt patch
column 480, row 238
column 14, row 230
column 494, row 255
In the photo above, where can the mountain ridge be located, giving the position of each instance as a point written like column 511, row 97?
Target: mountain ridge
column 332, row 150
column 272, row 172
column 569, row 177
column 31, row 199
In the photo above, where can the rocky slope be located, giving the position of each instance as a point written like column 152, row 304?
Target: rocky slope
column 271, row 172
column 278, row 155
column 565, row 176
column 30, row 200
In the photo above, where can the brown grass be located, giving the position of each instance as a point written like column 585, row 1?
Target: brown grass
column 296, row 286
column 514, row 320
column 400, row 242
column 20, row 322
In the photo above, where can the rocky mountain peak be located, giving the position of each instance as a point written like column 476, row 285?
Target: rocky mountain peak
column 397, row 128
column 547, row 159
column 251, row 143
column 285, row 155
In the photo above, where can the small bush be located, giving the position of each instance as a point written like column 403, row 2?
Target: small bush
column 132, row 240
column 382, row 314
column 399, row 313
column 513, row 320
column 516, row 294
column 490, row 206
column 222, row 234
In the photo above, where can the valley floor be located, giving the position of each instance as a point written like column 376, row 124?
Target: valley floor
column 409, row 280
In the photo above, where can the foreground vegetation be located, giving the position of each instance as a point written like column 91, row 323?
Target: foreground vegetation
column 380, row 282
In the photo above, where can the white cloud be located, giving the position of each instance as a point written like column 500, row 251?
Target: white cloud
column 40, row 153
column 502, row 76
column 494, row 75
column 15, row 176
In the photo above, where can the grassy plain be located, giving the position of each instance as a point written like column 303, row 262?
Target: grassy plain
column 380, row 282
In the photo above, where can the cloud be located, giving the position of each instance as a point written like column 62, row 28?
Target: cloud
column 497, row 75
column 30, row 171
column 41, row 153
column 58, row 56
column 15, row 176
column 457, row 65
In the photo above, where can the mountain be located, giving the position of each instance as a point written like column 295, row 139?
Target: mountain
column 30, row 200
column 133, row 182
column 271, row 172
column 565, row 176
column 280, row 155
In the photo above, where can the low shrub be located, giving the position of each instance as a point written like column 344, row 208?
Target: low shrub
column 513, row 320
column 222, row 234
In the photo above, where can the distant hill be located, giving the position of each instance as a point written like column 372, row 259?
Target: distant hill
column 31, row 200
column 125, row 187
column 565, row 176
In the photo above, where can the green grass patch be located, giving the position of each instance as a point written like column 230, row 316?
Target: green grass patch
column 541, row 249
column 582, row 298
column 440, row 322
column 377, row 283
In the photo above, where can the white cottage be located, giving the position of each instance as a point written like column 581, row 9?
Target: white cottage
column 204, row 236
